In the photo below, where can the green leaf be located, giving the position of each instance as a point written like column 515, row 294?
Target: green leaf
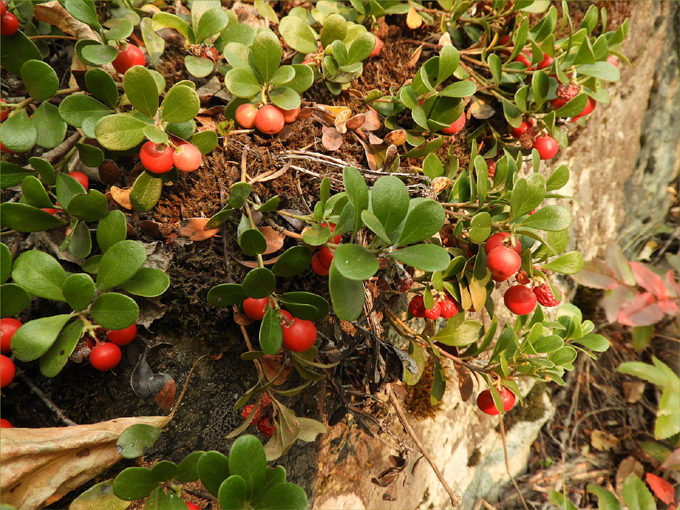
column 146, row 191
column 226, row 294
column 134, row 483
column 512, row 114
column 233, row 494
column 181, row 104
column 242, row 83
column 357, row 191
column 188, row 468
column 112, row 228
column 13, row 300
column 114, row 311
column 448, row 63
column 285, row 98
column 165, row 20
column 293, row 261
column 25, row 218
column 459, row 335
column 76, row 108
column 636, row 495
column 147, row 282
column 11, row 174
column 644, row 371
column 164, row 471
column 527, row 195
column 50, row 127
column 140, row 88
column 248, row 460
column 284, row 496
column 548, row 344
column 347, row 295
column 267, row 54
column 5, row 263
column 40, row 274
column 120, row 262
column 88, row 207
column 355, row 262
column 372, row 222
column 34, row 338
column 155, row 44
column 605, row 499
column 155, row 134
column 550, row 218
column 83, row 11
column 78, row 291
column 569, row 263
column 425, row 219
column 198, row 66
column 293, row 300
column 271, row 334
column 540, row 86
column 597, row 343
column 18, row 133
column 480, row 227
column 252, row 242
column 57, row 355
column 90, row 155
column 558, row 499
column 426, row 257
column 259, row 283
column 361, row 48
column 118, row 132
column 67, row 188
column 35, row 193
column 334, row 29
column 558, row 179
column 432, row 166
column 601, row 70
column 304, row 77
column 212, row 22
column 18, row 49
column 99, row 496
column 119, row 29
column 298, row 34
column 213, row 467
column 463, row 88
column 573, row 107
column 95, row 54
column 438, row 384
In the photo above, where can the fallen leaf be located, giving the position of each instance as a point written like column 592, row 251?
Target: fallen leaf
column 649, row 280
column 40, row 466
column 274, row 239
column 374, row 140
column 603, row 441
column 391, row 159
column 480, row 109
column 413, row 19
column 271, row 366
column 629, row 466
column 121, row 196
column 370, row 153
column 633, row 391
column 109, row 173
column 330, row 138
column 465, row 382
column 445, row 40
column 396, row 137
column 414, row 58
column 194, row 229
column 356, row 122
column 252, row 264
column 242, row 320
column 643, row 311
column 150, row 229
column 372, row 122
column 54, row 14
column 341, row 120
column 673, row 461
column 439, row 184
column 306, row 112
column 661, row 488
column 166, row 397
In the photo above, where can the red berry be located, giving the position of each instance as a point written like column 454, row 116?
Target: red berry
column 187, row 157
column 520, row 300
column 266, row 427
column 449, row 307
column 299, row 336
column 417, row 307
column 524, row 60
column 590, row 106
column 544, row 295
column 129, row 57
column 519, row 131
column 7, row 371
column 5, row 424
column 9, row 24
column 245, row 115
column 318, row 267
column 546, row 62
column 4, row 112
column 325, row 256
column 336, row 239
column 256, row 308
column 503, row 262
column 290, row 115
column 613, row 60
column 122, row 336
column 456, row 126
column 546, row 146
column 49, row 210
column 269, row 120
column 7, row 329
column 434, row 312
column 192, row 506
column 82, row 179
column 105, row 356
column 3, row 8
column 486, row 404
column 558, row 103
column 245, row 413
column 377, row 48
column 156, row 158
column 499, row 239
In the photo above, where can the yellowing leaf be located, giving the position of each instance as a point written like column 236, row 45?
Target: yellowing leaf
column 413, row 19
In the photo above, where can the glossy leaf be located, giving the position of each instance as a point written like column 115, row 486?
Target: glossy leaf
column 50, row 127
column 390, row 201
column 90, row 207
column 118, row 132
column 568, row 263
column 320, row 305
column 119, row 263
column 78, row 290
column 259, row 283
column 233, row 493
column 527, row 195
column 18, row 49
column 181, row 104
column 40, row 80
column 347, row 295
column 13, row 300
column 34, row 338
column 114, row 311
column 134, row 483
column 188, row 468
column 459, row 335
column 271, row 334
column 57, row 355
column 550, row 218
column 35, row 193
column 112, row 228
column 76, row 108
column 293, row 261
column 18, row 132
column 284, row 496
column 252, row 242
column 146, row 191
column 147, row 282
column 267, row 54
column 40, row 274
column 426, row 257
column 213, row 468
column 226, row 294
column 11, row 174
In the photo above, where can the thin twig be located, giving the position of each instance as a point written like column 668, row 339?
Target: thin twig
column 507, row 465
column 455, row 499
column 59, row 413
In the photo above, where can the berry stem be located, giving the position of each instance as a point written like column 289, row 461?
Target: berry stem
column 260, row 262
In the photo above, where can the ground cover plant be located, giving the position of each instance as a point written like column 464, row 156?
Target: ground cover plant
column 440, row 196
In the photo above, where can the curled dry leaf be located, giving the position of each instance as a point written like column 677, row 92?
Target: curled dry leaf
column 370, row 154
column 109, row 173
column 439, row 184
column 445, row 40
column 414, row 58
column 40, row 466
column 603, row 441
column 306, row 112
column 252, row 264
column 242, row 320
column 274, row 239
column 413, row 19
column 271, row 366
column 331, row 139
column 633, row 391
column 356, row 122
column 194, row 229
column 391, row 159
column 121, row 196
column 396, row 137
column 372, row 121
column 341, row 121
column 374, row 140
column 466, row 384
column 480, row 109
column 54, row 14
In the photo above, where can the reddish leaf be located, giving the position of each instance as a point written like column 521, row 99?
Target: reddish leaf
column 331, row 139
column 669, row 307
column 617, row 298
column 356, row 122
column 372, row 122
column 649, row 280
column 274, row 239
column 644, row 311
column 121, row 196
column 194, row 229
column 661, row 488
column 596, row 274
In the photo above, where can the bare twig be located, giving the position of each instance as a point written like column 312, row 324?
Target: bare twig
column 51, row 405
column 507, row 465
column 455, row 499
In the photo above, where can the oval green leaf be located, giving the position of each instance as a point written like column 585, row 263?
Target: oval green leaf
column 34, row 338
column 259, row 283
column 120, row 263
column 114, row 311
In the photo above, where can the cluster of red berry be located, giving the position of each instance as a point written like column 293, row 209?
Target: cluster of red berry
column 444, row 306
column 298, row 334
column 9, row 24
column 269, row 119
column 321, row 261
column 106, row 355
column 263, row 415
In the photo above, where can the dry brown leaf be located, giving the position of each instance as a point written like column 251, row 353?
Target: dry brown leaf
column 54, row 14
column 356, row 122
column 348, row 327
column 374, row 140
column 194, row 229
column 414, row 58
column 439, row 184
column 305, row 113
column 603, row 441
column 413, row 19
column 391, row 155
column 252, row 264
column 341, row 121
column 242, row 320
column 466, row 384
column 121, row 196
column 271, row 366
column 274, row 239
column 372, row 122
column 445, row 40
column 40, row 466
column 633, row 391
column 109, row 173
column 480, row 110
column 330, row 138
column 270, row 176
column 629, row 466
column 396, row 137
column 370, row 154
